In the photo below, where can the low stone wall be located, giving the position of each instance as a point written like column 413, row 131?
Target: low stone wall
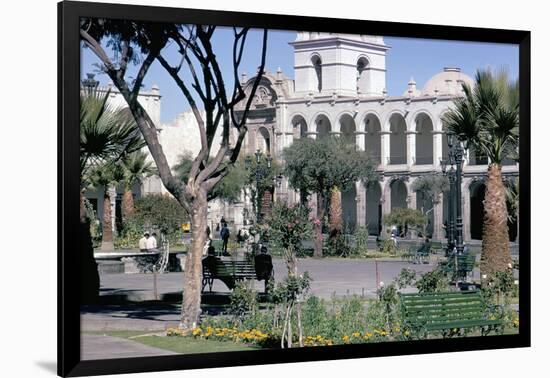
column 140, row 264
column 110, row 266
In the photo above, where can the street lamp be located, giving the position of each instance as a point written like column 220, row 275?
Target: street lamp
column 454, row 224
column 90, row 83
column 260, row 173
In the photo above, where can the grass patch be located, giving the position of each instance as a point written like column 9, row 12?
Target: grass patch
column 184, row 345
column 189, row 345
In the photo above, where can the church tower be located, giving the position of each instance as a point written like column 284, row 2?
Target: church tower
column 345, row 64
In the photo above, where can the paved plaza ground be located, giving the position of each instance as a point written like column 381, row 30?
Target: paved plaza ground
column 130, row 299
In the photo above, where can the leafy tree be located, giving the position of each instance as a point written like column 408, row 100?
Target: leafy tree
column 135, row 169
column 430, row 188
column 226, row 111
column 240, row 176
column 155, row 211
column 407, row 219
column 288, row 225
column 321, row 165
column 487, row 119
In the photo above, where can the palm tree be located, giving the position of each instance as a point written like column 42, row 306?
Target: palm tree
column 106, row 177
column 487, row 119
column 135, row 168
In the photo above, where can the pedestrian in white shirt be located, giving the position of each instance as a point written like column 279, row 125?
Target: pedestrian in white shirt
column 143, row 242
column 152, row 243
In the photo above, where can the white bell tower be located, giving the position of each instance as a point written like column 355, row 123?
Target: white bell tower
column 345, row 64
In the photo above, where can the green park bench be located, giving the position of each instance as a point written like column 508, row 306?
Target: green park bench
column 452, row 313
column 230, row 272
column 460, row 265
column 410, row 254
column 415, row 254
column 437, row 247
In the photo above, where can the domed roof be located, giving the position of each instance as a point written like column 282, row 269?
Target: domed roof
column 448, row 82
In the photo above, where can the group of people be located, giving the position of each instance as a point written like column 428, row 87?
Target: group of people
column 148, row 243
column 263, row 266
column 224, row 235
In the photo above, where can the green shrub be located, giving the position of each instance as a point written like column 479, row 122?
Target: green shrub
column 361, row 236
column 242, row 300
column 433, row 282
column 153, row 212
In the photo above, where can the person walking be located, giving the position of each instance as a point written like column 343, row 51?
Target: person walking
column 224, row 234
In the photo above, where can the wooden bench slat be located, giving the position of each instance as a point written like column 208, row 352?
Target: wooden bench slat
column 443, row 311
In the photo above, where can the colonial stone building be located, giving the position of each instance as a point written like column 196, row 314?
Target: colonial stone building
column 339, row 88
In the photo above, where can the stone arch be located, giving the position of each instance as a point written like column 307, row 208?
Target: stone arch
column 317, row 64
column 373, row 137
column 362, row 66
column 263, row 140
column 349, row 209
column 398, row 138
column 347, row 127
column 299, row 126
column 373, row 207
column 424, row 150
column 322, row 124
column 398, row 194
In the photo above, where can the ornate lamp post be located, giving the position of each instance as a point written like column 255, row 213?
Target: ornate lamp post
column 260, row 172
column 454, row 224
column 90, row 83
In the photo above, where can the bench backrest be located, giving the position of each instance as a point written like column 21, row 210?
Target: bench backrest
column 234, row 269
column 443, row 307
column 437, row 245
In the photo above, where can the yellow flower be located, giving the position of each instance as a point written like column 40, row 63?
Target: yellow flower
column 356, row 334
column 345, row 339
column 197, row 331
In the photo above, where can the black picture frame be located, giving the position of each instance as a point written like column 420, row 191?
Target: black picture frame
column 69, row 363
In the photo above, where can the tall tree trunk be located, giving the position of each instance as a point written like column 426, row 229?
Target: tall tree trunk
column 495, row 252
column 192, row 275
column 89, row 277
column 127, row 206
column 318, row 243
column 107, row 224
column 336, row 222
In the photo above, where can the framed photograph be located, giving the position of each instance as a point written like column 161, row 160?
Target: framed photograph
column 259, row 189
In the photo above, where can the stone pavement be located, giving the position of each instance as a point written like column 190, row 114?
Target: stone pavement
column 331, row 276
column 94, row 347
column 125, row 294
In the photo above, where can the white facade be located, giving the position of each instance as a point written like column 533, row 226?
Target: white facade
column 339, row 89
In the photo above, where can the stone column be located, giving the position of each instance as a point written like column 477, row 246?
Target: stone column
column 438, row 148
column 312, row 204
column 385, row 148
column 112, row 198
column 361, row 204
column 411, row 148
column 360, row 140
column 438, row 233
column 386, row 197
column 466, row 216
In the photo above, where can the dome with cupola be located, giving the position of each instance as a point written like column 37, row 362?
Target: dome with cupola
column 449, row 83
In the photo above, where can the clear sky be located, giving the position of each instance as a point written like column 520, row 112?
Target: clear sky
column 408, row 57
